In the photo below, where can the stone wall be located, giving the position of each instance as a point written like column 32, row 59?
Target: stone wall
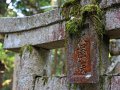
column 46, row 31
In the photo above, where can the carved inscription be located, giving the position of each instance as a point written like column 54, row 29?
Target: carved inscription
column 81, row 57
column 82, row 60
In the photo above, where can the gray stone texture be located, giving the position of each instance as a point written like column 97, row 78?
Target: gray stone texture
column 8, row 25
column 29, row 66
column 42, row 36
column 85, row 2
column 115, row 83
column 108, row 3
column 114, row 49
column 51, row 29
column 53, row 83
column 112, row 22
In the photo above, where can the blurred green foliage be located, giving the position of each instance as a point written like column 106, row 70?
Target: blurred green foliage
column 25, row 7
column 7, row 58
column 3, row 7
column 30, row 7
column 58, row 64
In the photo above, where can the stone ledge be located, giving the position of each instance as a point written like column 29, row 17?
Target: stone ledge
column 52, row 83
column 112, row 22
column 46, row 37
column 9, row 25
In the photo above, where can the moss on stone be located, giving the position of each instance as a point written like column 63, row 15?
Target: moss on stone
column 70, row 8
column 45, row 79
column 27, row 47
column 102, row 81
column 78, row 14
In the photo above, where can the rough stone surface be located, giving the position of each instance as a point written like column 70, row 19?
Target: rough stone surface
column 115, row 83
column 53, row 83
column 16, row 71
column 113, row 68
column 102, row 85
column 45, row 37
column 117, row 69
column 114, row 48
column 29, row 66
column 85, row 2
column 113, row 22
column 109, row 3
column 8, row 25
column 60, row 83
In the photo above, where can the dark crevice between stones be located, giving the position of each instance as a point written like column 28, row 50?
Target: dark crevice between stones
column 44, row 79
column 35, row 79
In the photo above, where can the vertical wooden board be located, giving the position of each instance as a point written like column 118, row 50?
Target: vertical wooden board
column 82, row 55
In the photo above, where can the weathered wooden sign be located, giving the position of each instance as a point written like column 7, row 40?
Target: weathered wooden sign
column 82, row 57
